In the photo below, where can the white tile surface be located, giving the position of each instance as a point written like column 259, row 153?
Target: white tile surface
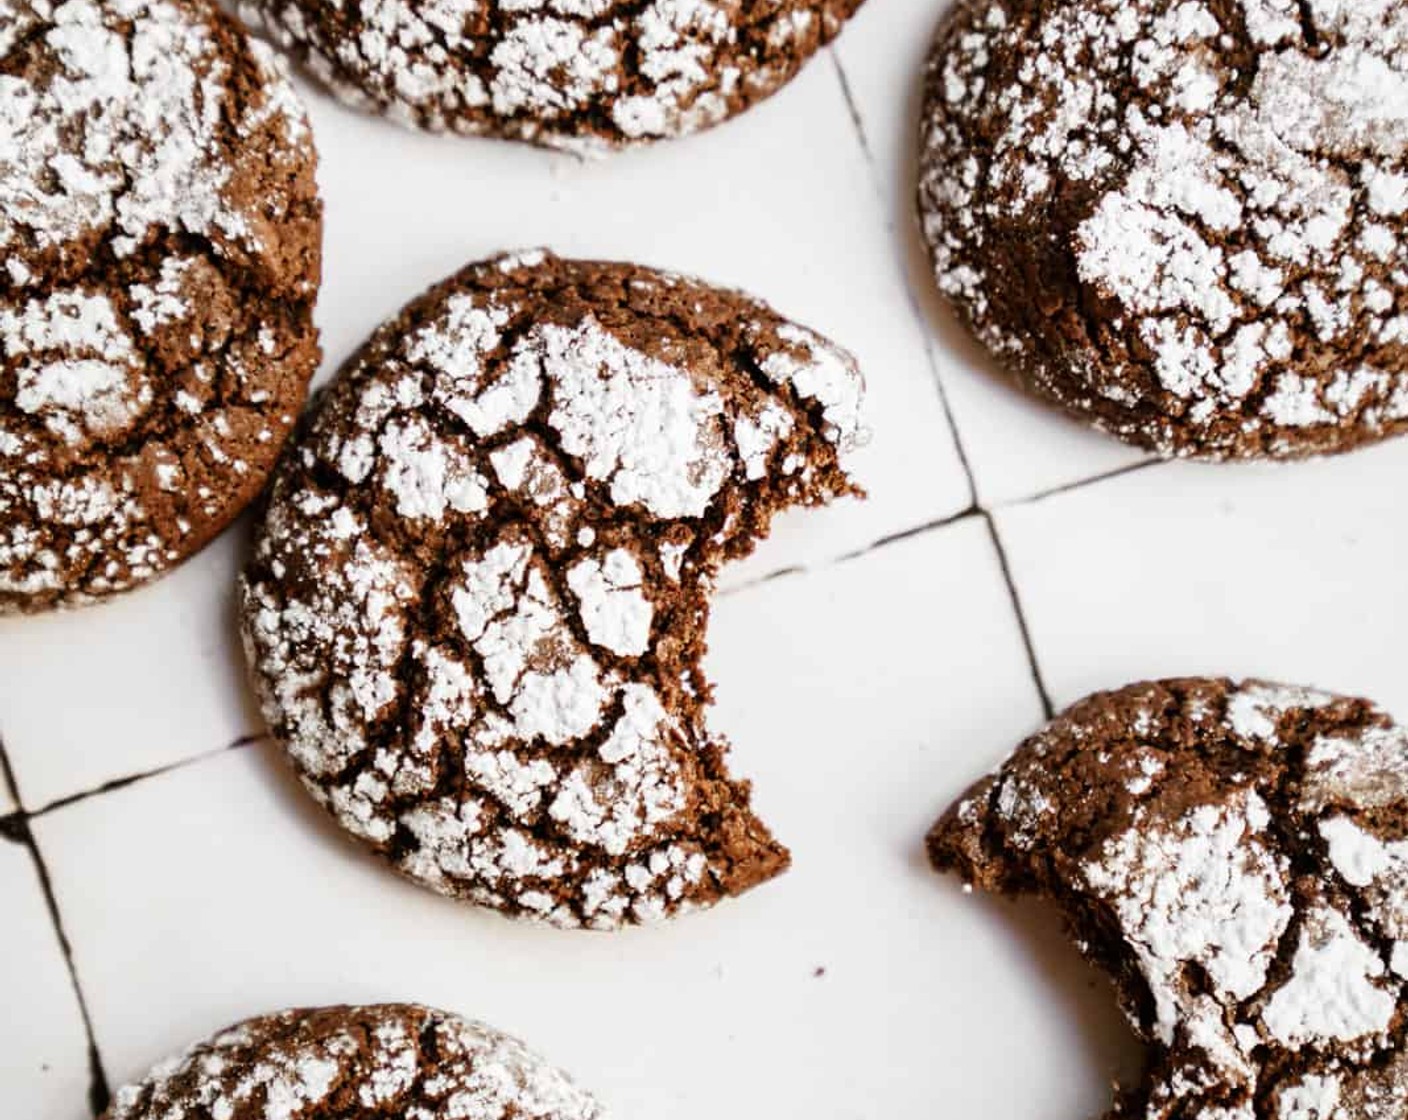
column 862, row 695
column 1015, row 445
column 43, row 1046
column 1293, row 573
column 146, row 680
column 860, row 699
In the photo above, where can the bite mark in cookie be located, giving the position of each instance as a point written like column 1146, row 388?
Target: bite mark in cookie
column 1236, row 857
column 477, row 605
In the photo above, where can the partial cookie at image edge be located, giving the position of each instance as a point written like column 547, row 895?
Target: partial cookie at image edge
column 585, row 78
column 385, row 1059
column 1185, row 224
column 1235, row 857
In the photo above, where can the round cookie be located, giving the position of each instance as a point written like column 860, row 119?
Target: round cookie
column 1184, row 221
column 476, row 610
column 356, row 1063
column 582, row 75
column 1236, row 857
column 159, row 258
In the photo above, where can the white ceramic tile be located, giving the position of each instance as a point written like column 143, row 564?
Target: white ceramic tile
column 778, row 202
column 860, row 698
column 43, row 1047
column 1016, row 446
column 148, row 679
column 1292, row 572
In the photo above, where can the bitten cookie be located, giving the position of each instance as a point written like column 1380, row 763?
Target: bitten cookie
column 477, row 604
column 356, row 1063
column 1236, row 857
column 1184, row 221
column 582, row 75
column 159, row 258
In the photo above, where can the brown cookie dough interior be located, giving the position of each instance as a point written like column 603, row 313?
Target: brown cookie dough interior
column 1223, row 852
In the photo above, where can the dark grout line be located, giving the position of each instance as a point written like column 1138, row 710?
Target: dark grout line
column 908, row 534
column 853, row 109
column 99, row 1095
column 883, row 542
column 1046, row 706
column 911, row 298
column 17, row 828
column 1082, row 483
column 107, row 787
column 12, row 828
column 132, row 779
column 7, row 776
column 781, row 573
column 959, row 448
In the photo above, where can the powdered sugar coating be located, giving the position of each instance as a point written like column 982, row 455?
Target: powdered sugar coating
column 583, row 75
column 1239, row 854
column 1208, row 198
column 160, row 241
column 344, row 1062
column 476, row 606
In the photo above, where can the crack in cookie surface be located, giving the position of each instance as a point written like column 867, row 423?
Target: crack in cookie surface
column 583, row 75
column 356, row 1063
column 1236, row 857
column 160, row 234
column 1185, row 221
column 477, row 605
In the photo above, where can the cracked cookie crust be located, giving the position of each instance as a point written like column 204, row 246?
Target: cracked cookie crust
column 476, row 610
column 159, row 259
column 356, row 1063
column 582, row 75
column 1236, row 857
column 1184, row 221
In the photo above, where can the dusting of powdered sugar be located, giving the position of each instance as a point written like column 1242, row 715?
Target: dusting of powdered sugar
column 1254, row 711
column 1379, row 870
column 614, row 606
column 116, row 121
column 582, row 75
column 1336, row 990
column 1313, row 1098
column 1260, row 928
column 553, row 477
column 150, row 99
column 1250, row 237
column 391, row 1059
column 1368, row 770
column 1206, row 890
column 635, row 422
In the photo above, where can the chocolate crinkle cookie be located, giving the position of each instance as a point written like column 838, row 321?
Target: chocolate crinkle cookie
column 477, row 604
column 356, row 1063
column 1236, row 857
column 1185, row 221
column 159, row 259
column 583, row 75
